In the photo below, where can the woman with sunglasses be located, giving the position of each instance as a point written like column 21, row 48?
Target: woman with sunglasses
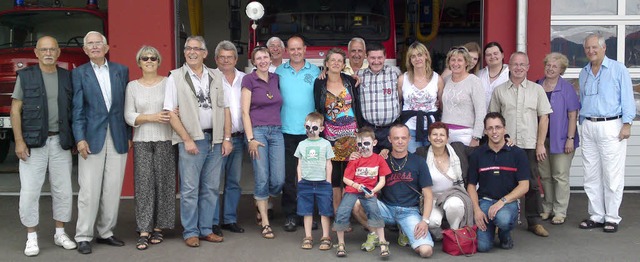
column 421, row 91
column 154, row 161
column 336, row 100
column 476, row 56
column 261, row 102
column 463, row 100
column 496, row 72
column 562, row 138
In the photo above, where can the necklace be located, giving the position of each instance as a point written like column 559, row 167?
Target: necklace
column 501, row 68
column 269, row 95
column 397, row 167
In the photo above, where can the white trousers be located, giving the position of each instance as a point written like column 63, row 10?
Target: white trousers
column 460, row 135
column 100, row 178
column 603, row 158
column 453, row 208
column 32, row 174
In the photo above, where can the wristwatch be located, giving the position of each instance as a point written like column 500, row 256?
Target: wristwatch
column 227, row 139
column 504, row 200
column 250, row 139
column 426, row 220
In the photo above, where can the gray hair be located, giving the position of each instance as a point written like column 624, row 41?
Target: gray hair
column 519, row 53
column 597, row 35
column 357, row 39
column 227, row 46
column 275, row 38
column 146, row 49
column 198, row 38
column 84, row 40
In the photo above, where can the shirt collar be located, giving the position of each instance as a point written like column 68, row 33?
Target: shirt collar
column 605, row 63
column 96, row 66
column 307, row 65
column 384, row 69
column 510, row 84
column 205, row 71
column 505, row 147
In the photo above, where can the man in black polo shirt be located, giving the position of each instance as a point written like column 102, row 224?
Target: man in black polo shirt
column 503, row 175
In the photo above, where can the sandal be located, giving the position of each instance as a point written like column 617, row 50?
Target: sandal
column 384, row 249
column 340, row 251
column 143, row 242
column 557, row 220
column 156, row 237
column 325, row 243
column 610, row 227
column 307, row 243
column 589, row 224
column 267, row 232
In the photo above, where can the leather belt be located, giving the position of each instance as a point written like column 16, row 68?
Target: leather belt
column 237, row 134
column 600, row 119
column 53, row 133
column 210, row 130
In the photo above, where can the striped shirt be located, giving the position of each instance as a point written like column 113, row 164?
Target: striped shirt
column 379, row 95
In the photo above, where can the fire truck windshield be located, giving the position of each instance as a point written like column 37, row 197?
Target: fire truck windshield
column 325, row 22
column 23, row 28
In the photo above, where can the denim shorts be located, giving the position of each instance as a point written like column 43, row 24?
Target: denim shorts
column 407, row 218
column 319, row 192
column 369, row 205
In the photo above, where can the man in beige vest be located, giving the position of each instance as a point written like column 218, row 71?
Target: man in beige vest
column 202, row 139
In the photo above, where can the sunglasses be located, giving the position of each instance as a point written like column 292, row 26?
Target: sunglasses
column 147, row 58
column 360, row 144
column 309, row 128
column 459, row 48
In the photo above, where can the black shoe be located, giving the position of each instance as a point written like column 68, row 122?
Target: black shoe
column 270, row 213
column 290, row 225
column 84, row 247
column 216, row 230
column 233, row 227
column 112, row 241
column 314, row 225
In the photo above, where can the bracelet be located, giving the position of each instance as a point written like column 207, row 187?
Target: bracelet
column 570, row 137
column 250, row 139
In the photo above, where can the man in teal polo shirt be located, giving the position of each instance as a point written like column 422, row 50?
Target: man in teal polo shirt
column 296, row 86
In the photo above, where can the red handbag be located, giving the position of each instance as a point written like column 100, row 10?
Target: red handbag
column 462, row 241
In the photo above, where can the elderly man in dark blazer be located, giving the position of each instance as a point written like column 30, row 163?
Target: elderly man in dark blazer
column 103, row 140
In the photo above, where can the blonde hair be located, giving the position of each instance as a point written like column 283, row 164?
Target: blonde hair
column 460, row 50
column 418, row 48
column 562, row 59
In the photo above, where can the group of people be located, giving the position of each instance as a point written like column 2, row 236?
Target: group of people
column 357, row 137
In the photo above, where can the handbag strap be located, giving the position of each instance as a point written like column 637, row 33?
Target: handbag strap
column 414, row 190
column 473, row 243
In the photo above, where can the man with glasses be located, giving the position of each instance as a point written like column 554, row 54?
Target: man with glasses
column 202, row 130
column 526, row 107
column 503, row 173
column 103, row 139
column 45, row 147
column 607, row 113
column 226, row 58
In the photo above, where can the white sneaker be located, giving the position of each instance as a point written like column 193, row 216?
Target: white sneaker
column 64, row 241
column 32, row 248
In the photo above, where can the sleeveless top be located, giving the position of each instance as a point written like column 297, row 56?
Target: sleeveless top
column 416, row 99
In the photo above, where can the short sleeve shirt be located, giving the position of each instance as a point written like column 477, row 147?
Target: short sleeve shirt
column 497, row 173
column 266, row 100
column 396, row 191
column 365, row 171
column 314, row 155
column 297, row 96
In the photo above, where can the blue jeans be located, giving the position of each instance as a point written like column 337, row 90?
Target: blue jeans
column 315, row 192
column 505, row 221
column 374, row 219
column 232, row 170
column 407, row 218
column 199, row 186
column 413, row 144
column 268, row 168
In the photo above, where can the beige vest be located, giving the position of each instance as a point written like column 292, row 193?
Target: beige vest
column 188, row 104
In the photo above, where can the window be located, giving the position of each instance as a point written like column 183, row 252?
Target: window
column 617, row 20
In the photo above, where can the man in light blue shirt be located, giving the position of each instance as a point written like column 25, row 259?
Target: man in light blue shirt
column 607, row 113
column 296, row 86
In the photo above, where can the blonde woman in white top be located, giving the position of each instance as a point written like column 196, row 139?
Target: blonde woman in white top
column 421, row 89
column 496, row 72
column 154, row 160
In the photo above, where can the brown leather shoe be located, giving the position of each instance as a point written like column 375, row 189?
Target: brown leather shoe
column 213, row 238
column 192, row 242
column 539, row 230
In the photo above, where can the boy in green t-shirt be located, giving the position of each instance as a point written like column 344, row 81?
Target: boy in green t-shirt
column 314, row 180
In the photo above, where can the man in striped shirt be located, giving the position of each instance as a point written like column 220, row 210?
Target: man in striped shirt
column 380, row 95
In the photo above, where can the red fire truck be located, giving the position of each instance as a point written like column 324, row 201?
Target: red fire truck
column 20, row 29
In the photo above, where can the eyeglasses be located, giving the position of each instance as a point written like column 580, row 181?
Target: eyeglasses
column 309, row 128
column 147, row 58
column 191, row 48
column 519, row 65
column 492, row 128
column 44, row 50
column 226, row 58
column 94, row 44
column 367, row 143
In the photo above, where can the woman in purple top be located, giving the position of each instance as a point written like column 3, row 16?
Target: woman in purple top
column 261, row 102
column 562, row 138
